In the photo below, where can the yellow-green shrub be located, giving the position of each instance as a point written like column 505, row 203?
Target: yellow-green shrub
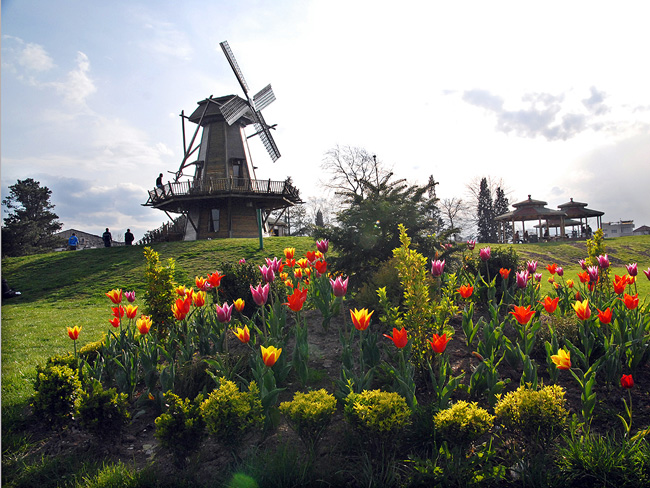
column 536, row 414
column 181, row 427
column 56, row 391
column 377, row 412
column 463, row 422
column 309, row 413
column 103, row 412
column 228, row 413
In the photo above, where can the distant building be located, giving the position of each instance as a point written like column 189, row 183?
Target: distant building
column 644, row 230
column 621, row 228
column 277, row 227
column 86, row 240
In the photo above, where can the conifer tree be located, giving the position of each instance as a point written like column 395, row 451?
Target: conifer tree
column 485, row 214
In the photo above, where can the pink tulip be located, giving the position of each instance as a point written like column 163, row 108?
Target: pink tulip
column 522, row 279
column 471, row 245
column 538, row 277
column 532, row 266
column 485, row 253
column 274, row 264
column 647, row 273
column 267, row 274
column 339, row 286
column 323, row 245
column 224, row 313
column 593, row 273
column 632, row 269
column 130, row 296
column 437, row 267
column 583, row 264
column 260, row 294
column 560, row 271
column 242, row 261
column 603, row 261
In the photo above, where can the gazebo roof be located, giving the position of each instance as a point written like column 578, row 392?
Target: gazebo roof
column 578, row 210
column 570, row 204
column 531, row 210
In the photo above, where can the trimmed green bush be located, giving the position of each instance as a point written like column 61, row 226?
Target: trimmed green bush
column 377, row 412
column 103, row 412
column 56, row 391
column 463, row 422
column 309, row 413
column 181, row 427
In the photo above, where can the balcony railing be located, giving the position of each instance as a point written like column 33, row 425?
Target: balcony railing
column 217, row 186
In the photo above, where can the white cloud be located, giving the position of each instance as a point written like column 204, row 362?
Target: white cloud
column 78, row 85
column 35, row 58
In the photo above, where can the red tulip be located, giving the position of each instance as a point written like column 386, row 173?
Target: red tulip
column 439, row 343
column 504, row 272
column 523, row 314
column 631, row 301
column 550, row 304
column 466, row 291
column 626, row 381
column 606, row 316
column 296, row 300
column 399, row 337
column 361, row 318
column 73, row 332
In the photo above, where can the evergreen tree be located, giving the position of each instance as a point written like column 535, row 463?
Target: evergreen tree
column 319, row 218
column 501, row 206
column 485, row 214
column 31, row 225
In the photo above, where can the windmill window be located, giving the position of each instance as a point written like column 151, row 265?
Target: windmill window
column 214, row 220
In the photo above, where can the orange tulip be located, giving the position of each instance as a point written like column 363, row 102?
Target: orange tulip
column 199, row 298
column 523, row 314
column 239, row 304
column 143, row 324
column 291, row 262
column 243, row 334
column 289, row 252
column 297, row 273
column 562, row 359
column 631, row 301
column 73, row 332
column 270, row 355
column 606, row 316
column 114, row 322
column 118, row 311
column 504, row 272
column 115, row 296
column 361, row 318
column 399, row 337
column 439, row 343
column 131, row 311
column 303, row 263
column 584, row 277
column 550, row 304
column 215, row 279
column 201, row 283
column 466, row 291
column 180, row 290
column 311, row 256
column 321, row 266
column 582, row 309
column 297, row 299
column 552, row 268
column 569, row 283
column 178, row 312
column 620, row 283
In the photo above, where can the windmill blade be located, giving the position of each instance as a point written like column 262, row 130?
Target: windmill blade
column 265, row 135
column 235, row 67
column 233, row 109
column 264, row 98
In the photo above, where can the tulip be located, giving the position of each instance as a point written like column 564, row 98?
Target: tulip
column 361, row 318
column 270, row 355
column 582, row 309
column 224, row 313
column 115, row 322
column 260, row 294
column 131, row 311
column 242, row 261
column 130, row 296
column 199, row 299
column 583, row 264
column 522, row 279
column 115, row 296
column 339, row 286
column 399, row 337
column 569, row 283
column 603, row 261
column 632, row 269
column 466, row 291
column 288, row 283
column 296, row 300
column 73, row 332
column 437, row 267
column 178, row 312
column 552, row 268
column 202, row 283
column 505, row 273
column 626, row 381
column 560, row 271
column 523, row 314
column 471, row 244
column 239, row 304
column 647, row 273
column 584, row 277
column 311, row 256
column 631, row 301
column 118, row 311
column 485, row 253
column 323, row 245
column 592, row 271
column 578, row 296
column 180, row 290
column 243, row 335
column 303, row 263
column 291, row 262
column 439, row 343
column 275, row 264
column 268, row 275
column 631, row 279
column 550, row 304
column 321, row 266
column 289, row 252
column 538, row 277
column 620, row 283
column 562, row 359
column 531, row 266
column 143, row 324
column 297, row 273
column 215, row 279
column 606, row 316
column 185, row 303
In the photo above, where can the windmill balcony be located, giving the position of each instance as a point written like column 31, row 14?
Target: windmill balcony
column 174, row 194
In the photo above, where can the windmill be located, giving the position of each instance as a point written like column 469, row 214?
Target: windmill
column 222, row 190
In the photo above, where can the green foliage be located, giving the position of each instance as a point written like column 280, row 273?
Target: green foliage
column 463, row 423
column 537, row 415
column 90, row 351
column 384, row 276
column 103, row 412
column 229, row 413
column 56, row 391
column 237, row 281
column 159, row 293
column 181, row 427
column 309, row 413
column 377, row 412
column 500, row 257
column 596, row 247
column 120, row 475
column 487, row 229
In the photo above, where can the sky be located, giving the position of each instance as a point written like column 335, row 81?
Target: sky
column 549, row 98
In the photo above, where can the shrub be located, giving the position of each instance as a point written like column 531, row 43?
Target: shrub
column 386, row 276
column 159, row 293
column 229, row 413
column 56, row 390
column 237, row 281
column 181, row 427
column 309, row 414
column 500, row 257
column 538, row 415
column 377, row 412
column 90, row 351
column 463, row 423
column 67, row 359
column 103, row 412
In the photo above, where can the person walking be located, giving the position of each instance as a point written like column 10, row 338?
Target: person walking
column 107, row 238
column 128, row 237
column 73, row 241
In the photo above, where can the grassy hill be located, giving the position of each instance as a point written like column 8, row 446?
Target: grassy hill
column 67, row 288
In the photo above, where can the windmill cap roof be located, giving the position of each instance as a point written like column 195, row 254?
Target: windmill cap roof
column 213, row 110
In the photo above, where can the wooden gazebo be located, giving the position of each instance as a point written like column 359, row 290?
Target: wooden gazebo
column 530, row 210
column 579, row 210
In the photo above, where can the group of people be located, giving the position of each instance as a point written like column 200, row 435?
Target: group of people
column 73, row 241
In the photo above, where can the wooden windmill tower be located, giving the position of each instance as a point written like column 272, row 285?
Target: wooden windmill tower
column 223, row 198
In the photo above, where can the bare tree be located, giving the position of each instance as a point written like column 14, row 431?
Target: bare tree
column 454, row 213
column 349, row 168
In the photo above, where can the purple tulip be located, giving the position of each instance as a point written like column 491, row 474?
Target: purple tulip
column 583, row 264
column 130, row 295
column 538, row 277
column 560, row 271
column 267, row 273
column 593, row 273
column 647, row 273
column 603, row 261
column 532, row 266
column 323, row 245
column 260, row 294
column 471, row 245
column 224, row 313
column 632, row 269
column 339, row 286
column 485, row 253
column 522, row 279
column 437, row 267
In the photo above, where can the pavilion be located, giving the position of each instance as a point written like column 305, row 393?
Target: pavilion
column 529, row 210
column 579, row 210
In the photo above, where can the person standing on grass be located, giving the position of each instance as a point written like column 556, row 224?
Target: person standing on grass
column 128, row 237
column 107, row 238
column 73, row 241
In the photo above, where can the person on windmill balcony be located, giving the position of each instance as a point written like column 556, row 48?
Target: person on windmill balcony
column 159, row 183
